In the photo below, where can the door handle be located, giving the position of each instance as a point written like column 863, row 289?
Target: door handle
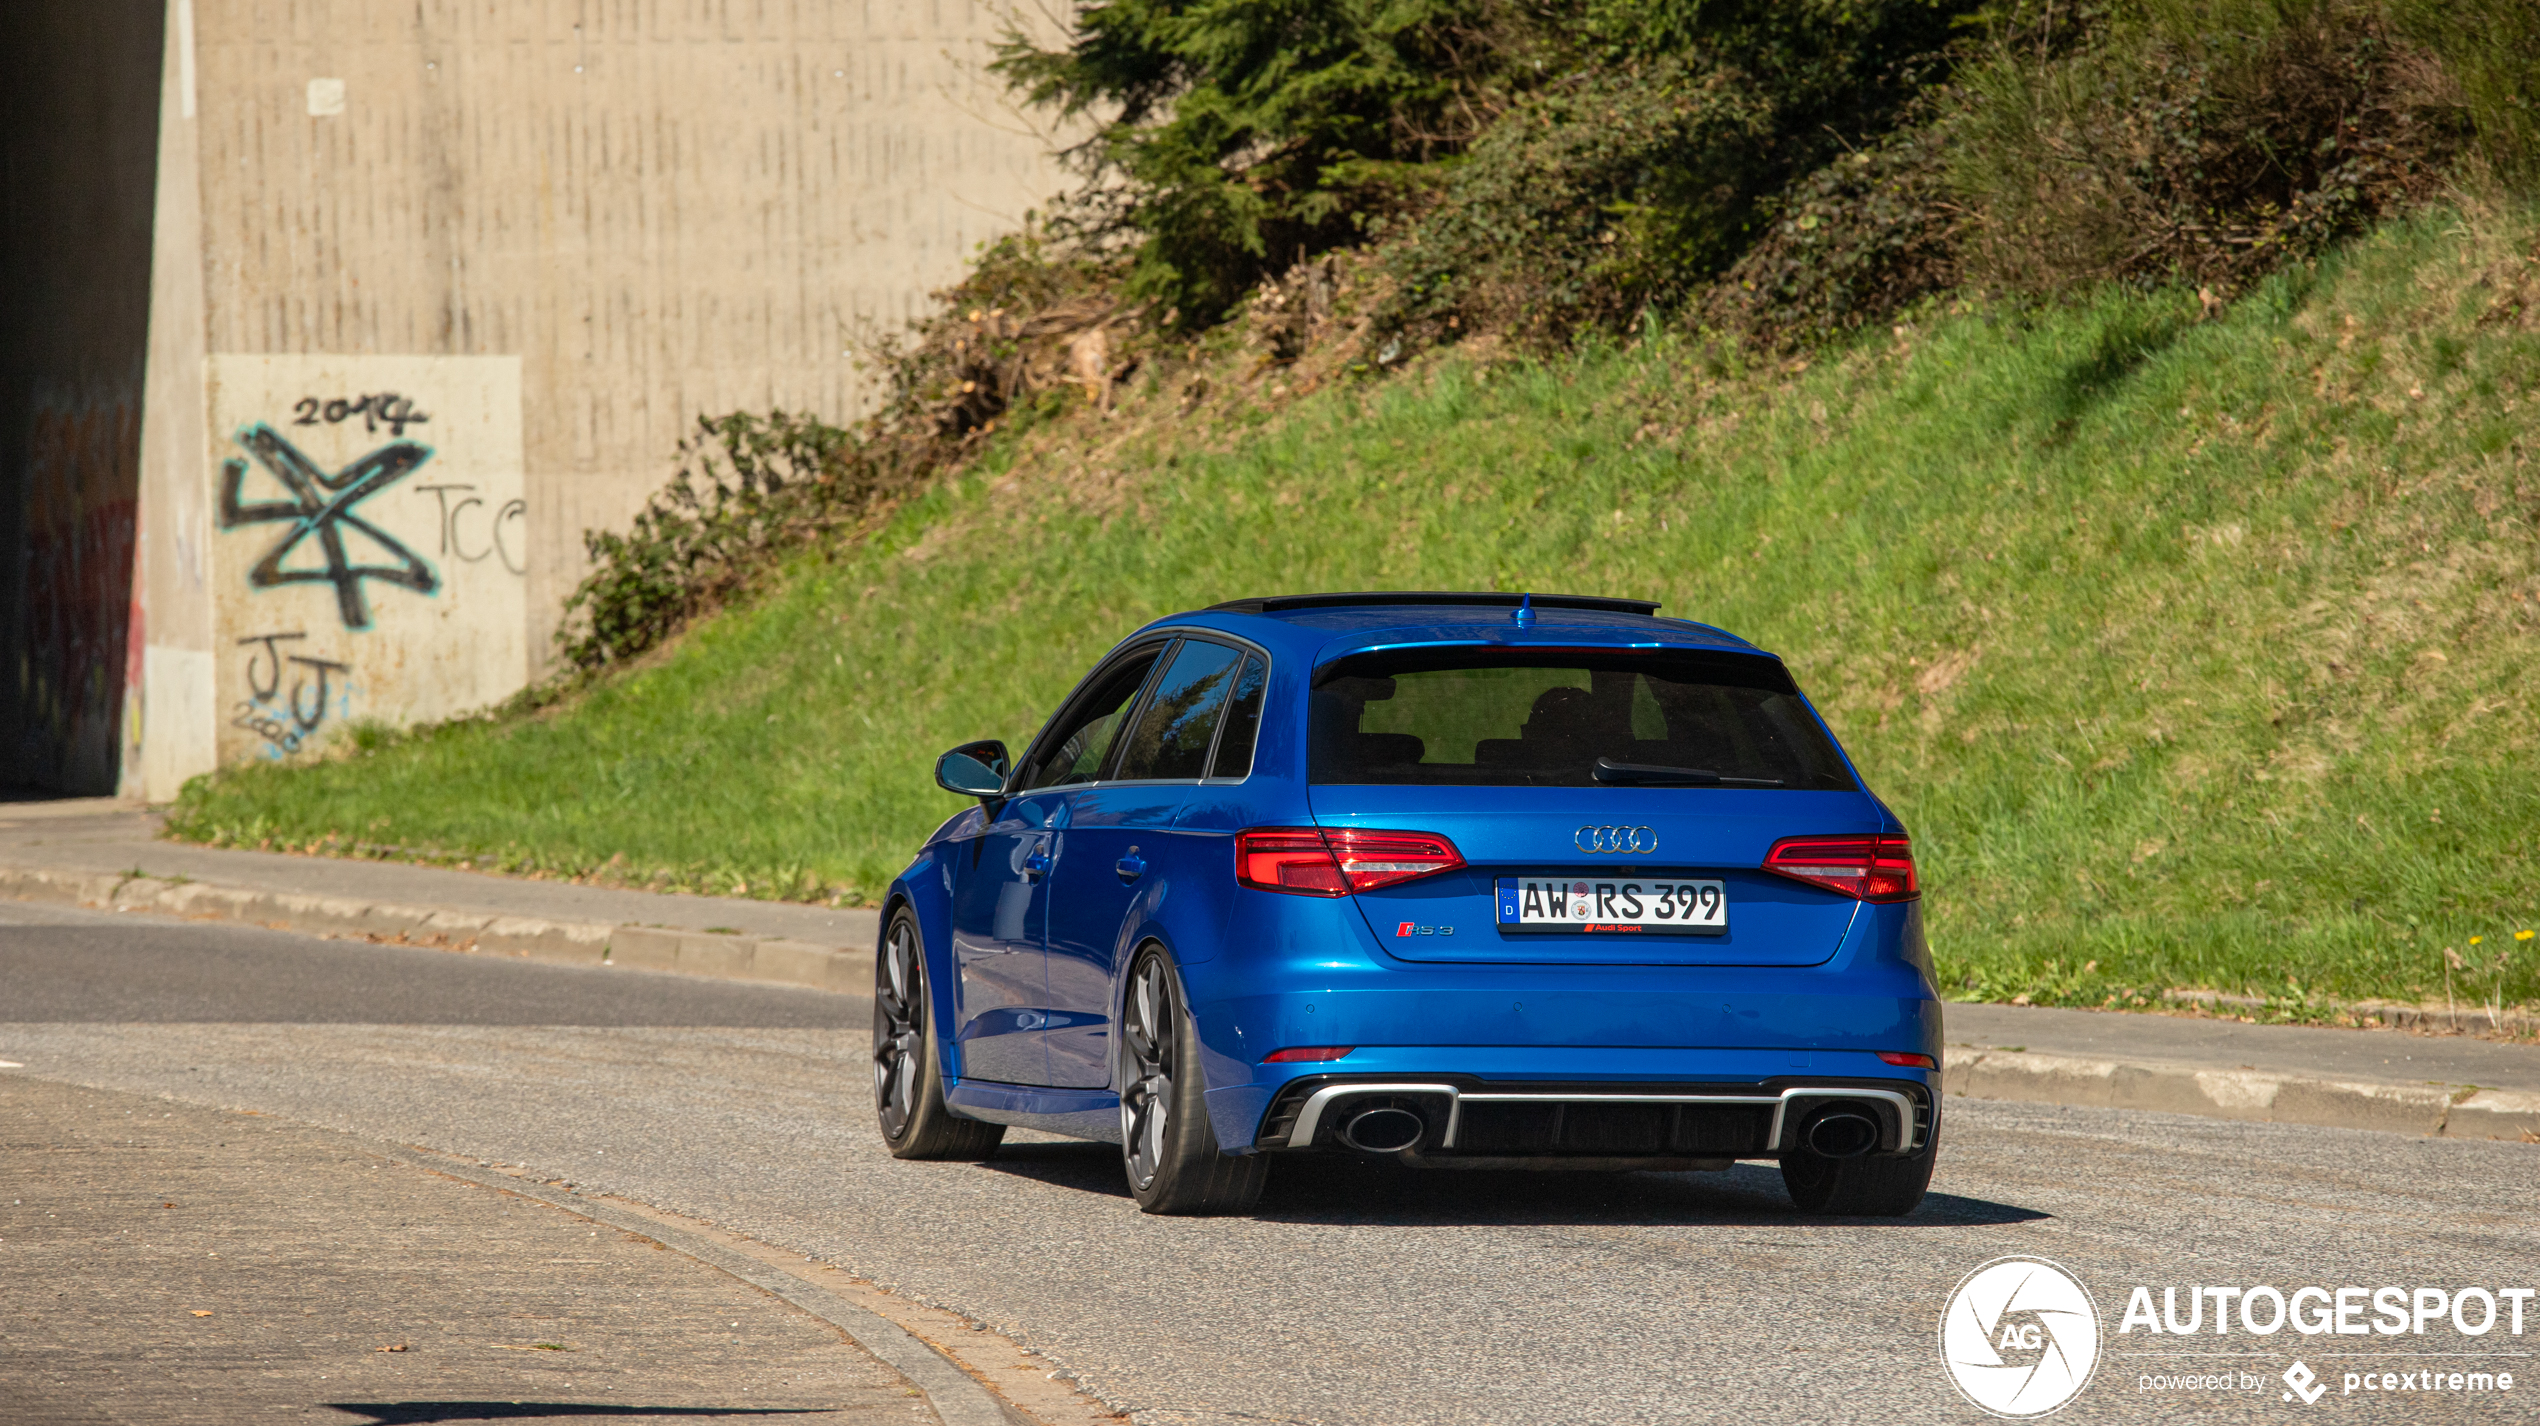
column 1132, row 866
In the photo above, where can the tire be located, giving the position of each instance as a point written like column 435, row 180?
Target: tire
column 908, row 1080
column 1166, row 1145
column 1872, row 1186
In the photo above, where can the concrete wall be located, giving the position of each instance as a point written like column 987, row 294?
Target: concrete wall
column 559, row 230
column 78, row 120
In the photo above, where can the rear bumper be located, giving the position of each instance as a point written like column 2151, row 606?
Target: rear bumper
column 1696, row 1121
column 1306, row 973
column 1525, row 1102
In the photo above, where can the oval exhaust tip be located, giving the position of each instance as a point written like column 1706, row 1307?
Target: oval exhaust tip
column 1840, row 1132
column 1383, row 1130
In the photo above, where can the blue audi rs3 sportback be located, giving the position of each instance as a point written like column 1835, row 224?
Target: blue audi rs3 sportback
column 1465, row 880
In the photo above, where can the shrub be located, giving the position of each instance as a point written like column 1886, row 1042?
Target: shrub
column 1849, row 245
column 2206, row 140
column 1586, row 203
column 1243, row 139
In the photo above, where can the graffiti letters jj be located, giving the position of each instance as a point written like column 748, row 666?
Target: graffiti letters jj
column 321, row 508
column 283, row 717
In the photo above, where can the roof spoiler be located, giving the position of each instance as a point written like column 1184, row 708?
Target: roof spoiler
column 1487, row 599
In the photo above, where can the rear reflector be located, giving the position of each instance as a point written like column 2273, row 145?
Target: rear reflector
column 1316, row 1054
column 1869, row 867
column 1314, row 861
column 1908, row 1061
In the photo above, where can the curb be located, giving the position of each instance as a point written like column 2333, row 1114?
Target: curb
column 958, row 1399
column 2448, row 1111
column 768, row 960
column 2451, row 1111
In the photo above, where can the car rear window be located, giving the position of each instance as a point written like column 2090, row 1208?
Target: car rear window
column 1545, row 718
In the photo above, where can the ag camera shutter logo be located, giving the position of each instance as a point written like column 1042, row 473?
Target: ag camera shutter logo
column 2020, row 1337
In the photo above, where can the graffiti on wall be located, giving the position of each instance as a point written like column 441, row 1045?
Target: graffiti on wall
column 82, row 458
column 287, row 714
column 320, row 510
column 385, row 408
column 361, row 572
column 498, row 533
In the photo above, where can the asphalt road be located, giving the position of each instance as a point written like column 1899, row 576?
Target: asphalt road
column 1352, row 1295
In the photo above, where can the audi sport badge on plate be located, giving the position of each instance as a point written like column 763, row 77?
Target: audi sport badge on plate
column 1623, row 904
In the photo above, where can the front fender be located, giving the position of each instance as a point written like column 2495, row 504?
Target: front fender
column 925, row 888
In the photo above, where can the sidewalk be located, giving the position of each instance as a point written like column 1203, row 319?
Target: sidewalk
column 106, row 854
column 171, row 1263
column 2447, row 1086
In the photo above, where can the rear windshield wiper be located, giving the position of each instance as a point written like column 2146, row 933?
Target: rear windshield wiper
column 1608, row 770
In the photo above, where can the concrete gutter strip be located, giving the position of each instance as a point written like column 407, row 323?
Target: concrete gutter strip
column 959, row 1399
column 2456, row 1111
column 2433, row 1110
column 729, row 957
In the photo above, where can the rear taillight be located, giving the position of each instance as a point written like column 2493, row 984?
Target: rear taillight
column 1313, row 861
column 1906, row 1059
column 1871, row 867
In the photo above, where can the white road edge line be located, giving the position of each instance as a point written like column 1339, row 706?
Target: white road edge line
column 957, row 1397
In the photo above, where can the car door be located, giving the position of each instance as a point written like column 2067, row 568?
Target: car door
column 1116, row 851
column 1001, row 907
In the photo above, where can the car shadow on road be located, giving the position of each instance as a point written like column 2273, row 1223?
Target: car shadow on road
column 424, row 1413
column 1087, row 1168
column 1336, row 1189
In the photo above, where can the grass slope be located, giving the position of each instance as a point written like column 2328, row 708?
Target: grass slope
column 2195, row 652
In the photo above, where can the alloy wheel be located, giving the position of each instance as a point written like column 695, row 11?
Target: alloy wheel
column 899, row 1038
column 1146, row 1098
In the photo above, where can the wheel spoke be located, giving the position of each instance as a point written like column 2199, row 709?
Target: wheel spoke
column 898, row 1031
column 1146, row 1096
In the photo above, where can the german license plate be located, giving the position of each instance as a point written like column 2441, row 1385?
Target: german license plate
column 1625, row 905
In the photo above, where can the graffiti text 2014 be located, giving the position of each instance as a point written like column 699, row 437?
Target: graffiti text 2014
column 382, row 408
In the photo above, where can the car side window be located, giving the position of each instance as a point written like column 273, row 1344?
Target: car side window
column 1243, row 721
column 1179, row 719
column 1080, row 742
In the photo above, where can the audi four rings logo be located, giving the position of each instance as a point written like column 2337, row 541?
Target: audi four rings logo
column 1617, row 841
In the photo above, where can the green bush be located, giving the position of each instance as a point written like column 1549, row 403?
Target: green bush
column 2208, row 140
column 746, row 486
column 1244, row 139
column 1849, row 245
column 1586, row 203
column 1241, row 139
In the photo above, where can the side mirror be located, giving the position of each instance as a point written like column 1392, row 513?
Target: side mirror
column 973, row 769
